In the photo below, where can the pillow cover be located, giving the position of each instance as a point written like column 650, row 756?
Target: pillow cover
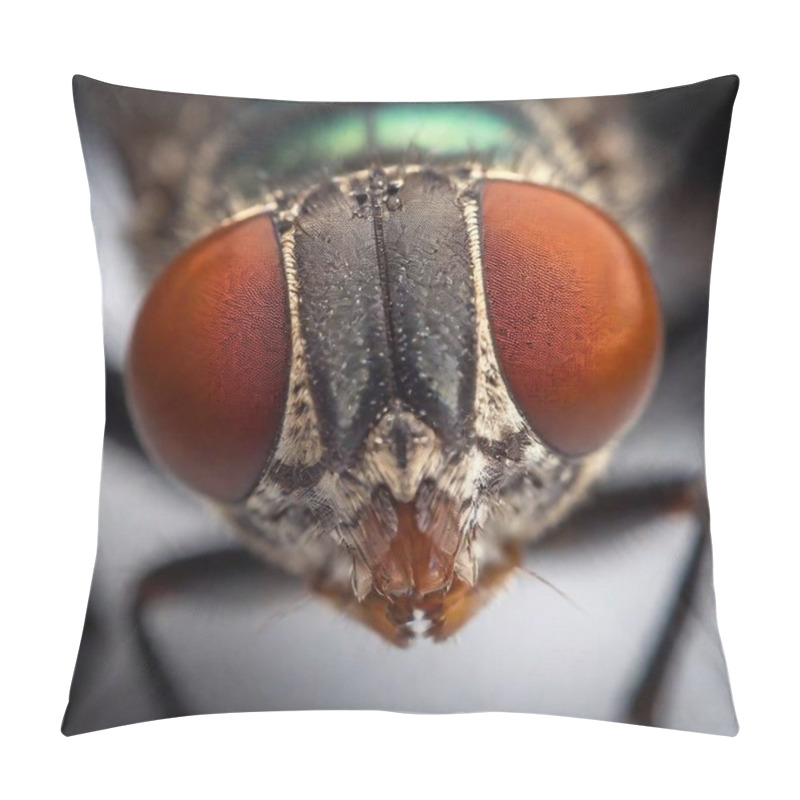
column 404, row 407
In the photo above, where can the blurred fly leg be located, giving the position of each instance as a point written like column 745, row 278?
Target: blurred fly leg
column 623, row 508
column 643, row 706
column 173, row 580
column 119, row 426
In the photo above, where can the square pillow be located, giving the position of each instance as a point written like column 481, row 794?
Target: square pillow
column 404, row 407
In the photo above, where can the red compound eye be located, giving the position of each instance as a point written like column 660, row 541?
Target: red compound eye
column 573, row 311
column 208, row 364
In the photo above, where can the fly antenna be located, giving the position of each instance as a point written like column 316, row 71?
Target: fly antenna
column 529, row 571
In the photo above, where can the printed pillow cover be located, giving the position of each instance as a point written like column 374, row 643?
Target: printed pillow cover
column 404, row 407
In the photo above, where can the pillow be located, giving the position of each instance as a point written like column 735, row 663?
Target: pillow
column 404, row 407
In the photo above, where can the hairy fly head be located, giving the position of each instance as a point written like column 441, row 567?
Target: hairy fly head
column 389, row 376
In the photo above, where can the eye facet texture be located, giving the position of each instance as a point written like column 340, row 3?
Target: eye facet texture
column 208, row 365
column 573, row 311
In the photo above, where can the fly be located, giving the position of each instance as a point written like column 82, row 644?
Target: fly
column 410, row 347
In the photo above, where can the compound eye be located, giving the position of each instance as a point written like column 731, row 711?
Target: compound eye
column 573, row 312
column 207, row 370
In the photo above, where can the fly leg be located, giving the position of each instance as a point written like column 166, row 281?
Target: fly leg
column 629, row 506
column 197, row 573
column 643, row 706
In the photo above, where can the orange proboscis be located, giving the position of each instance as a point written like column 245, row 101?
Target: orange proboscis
column 415, row 564
column 444, row 612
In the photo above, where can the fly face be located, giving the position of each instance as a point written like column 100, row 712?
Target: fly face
column 388, row 377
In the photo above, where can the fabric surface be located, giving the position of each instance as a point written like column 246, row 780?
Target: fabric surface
column 610, row 612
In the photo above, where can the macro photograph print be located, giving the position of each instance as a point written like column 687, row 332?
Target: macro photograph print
column 404, row 407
